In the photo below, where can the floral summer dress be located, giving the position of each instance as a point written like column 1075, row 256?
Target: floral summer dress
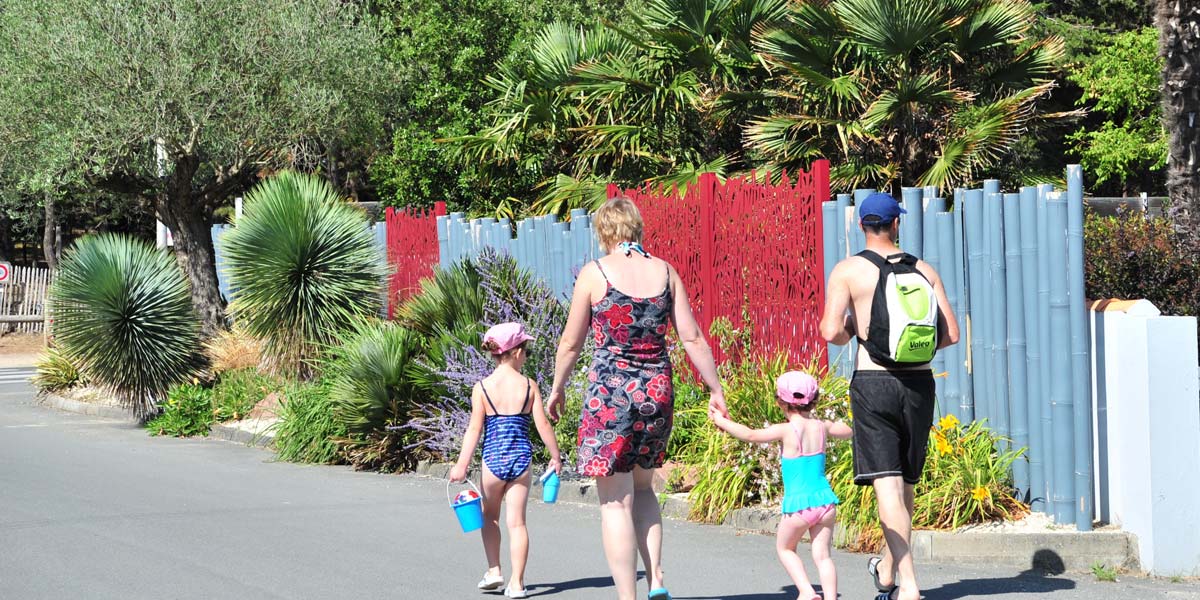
column 627, row 411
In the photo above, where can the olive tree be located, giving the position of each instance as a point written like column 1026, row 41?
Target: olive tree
column 186, row 102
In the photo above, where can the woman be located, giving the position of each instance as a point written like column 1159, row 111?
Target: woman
column 626, row 298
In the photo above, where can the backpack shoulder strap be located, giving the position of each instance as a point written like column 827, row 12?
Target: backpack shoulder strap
column 874, row 257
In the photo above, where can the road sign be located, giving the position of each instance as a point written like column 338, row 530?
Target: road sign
column 5, row 272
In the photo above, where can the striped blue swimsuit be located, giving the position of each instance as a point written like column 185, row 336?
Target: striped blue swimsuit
column 507, row 452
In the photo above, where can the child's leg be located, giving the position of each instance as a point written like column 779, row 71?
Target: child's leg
column 822, row 540
column 493, row 495
column 791, row 528
column 518, row 536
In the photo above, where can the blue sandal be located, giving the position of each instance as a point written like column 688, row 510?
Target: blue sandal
column 660, row 594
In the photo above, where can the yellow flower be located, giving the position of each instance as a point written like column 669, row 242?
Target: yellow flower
column 943, row 447
column 980, row 493
column 948, row 422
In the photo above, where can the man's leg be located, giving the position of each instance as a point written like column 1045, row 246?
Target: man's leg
column 895, row 515
column 887, row 567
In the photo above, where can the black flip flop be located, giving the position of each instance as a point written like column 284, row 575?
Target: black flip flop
column 873, row 569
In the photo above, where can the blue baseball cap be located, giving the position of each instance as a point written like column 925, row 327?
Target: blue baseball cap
column 878, row 208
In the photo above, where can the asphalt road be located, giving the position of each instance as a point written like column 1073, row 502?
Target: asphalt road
column 92, row 508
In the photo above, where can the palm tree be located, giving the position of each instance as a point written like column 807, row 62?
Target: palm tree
column 1179, row 45
column 919, row 92
column 589, row 106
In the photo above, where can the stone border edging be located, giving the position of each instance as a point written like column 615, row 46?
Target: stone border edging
column 55, row 401
column 240, row 436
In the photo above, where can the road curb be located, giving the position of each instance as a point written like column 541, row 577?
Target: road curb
column 240, row 436
column 57, row 402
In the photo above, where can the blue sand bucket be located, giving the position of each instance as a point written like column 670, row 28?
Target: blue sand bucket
column 468, row 507
column 550, row 487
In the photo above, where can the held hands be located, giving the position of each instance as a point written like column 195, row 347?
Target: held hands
column 716, row 405
column 458, row 473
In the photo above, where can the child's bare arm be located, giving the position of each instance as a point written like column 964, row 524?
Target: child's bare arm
column 838, row 430
column 471, row 437
column 741, row 432
column 546, row 431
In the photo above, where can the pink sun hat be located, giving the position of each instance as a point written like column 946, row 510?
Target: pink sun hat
column 506, row 336
column 797, row 387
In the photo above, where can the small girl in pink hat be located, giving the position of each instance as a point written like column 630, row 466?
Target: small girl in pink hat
column 503, row 406
column 809, row 503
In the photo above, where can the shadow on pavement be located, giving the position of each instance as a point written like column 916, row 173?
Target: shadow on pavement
column 546, row 589
column 786, row 593
column 1034, row 580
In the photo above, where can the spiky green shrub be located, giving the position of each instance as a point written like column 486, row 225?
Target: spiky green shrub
column 307, row 431
column 447, row 301
column 373, row 393
column 304, row 265
column 123, row 314
column 55, row 373
column 186, row 412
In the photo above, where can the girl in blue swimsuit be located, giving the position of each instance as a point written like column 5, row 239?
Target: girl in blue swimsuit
column 809, row 503
column 503, row 405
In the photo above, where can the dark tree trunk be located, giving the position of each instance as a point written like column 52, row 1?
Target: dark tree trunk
column 1179, row 46
column 49, row 228
column 188, row 214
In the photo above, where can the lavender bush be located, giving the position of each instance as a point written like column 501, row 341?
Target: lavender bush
column 455, row 361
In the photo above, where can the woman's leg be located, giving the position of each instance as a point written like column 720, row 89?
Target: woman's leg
column 822, row 541
column 647, row 522
column 791, row 529
column 616, row 524
column 518, row 536
column 493, row 495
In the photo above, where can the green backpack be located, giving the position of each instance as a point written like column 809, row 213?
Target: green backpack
column 904, row 313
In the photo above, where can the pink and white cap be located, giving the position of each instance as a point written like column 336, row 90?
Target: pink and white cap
column 797, row 387
column 506, row 336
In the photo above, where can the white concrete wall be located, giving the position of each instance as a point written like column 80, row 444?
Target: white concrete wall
column 1147, row 402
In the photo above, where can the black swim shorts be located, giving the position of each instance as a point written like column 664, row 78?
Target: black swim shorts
column 893, row 411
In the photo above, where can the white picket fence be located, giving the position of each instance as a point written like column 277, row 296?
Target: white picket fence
column 22, row 300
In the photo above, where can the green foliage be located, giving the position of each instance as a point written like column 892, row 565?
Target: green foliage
column 56, row 373
column 926, row 92
column 452, row 298
column 237, row 392
column 582, row 106
column 966, row 480
column 304, row 264
column 371, row 387
column 123, row 314
column 307, row 431
column 188, row 411
column 440, row 49
column 1103, row 573
column 1122, row 82
column 1134, row 256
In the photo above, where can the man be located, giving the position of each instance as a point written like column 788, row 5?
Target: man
column 892, row 391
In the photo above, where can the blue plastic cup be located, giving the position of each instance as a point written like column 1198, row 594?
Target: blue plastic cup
column 550, row 488
column 469, row 512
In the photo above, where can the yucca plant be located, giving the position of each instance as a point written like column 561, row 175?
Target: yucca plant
column 371, row 386
column 304, row 265
column 56, row 373
column 123, row 314
column 452, row 297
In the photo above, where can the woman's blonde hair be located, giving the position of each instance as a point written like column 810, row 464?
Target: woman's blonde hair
column 618, row 221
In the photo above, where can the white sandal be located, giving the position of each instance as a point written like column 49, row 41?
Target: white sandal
column 491, row 582
column 511, row 593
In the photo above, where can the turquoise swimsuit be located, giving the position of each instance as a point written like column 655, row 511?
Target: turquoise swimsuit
column 804, row 482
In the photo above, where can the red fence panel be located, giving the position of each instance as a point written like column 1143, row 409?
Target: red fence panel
column 412, row 250
column 746, row 244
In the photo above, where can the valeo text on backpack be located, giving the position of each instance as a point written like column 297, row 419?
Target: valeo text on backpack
column 904, row 313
